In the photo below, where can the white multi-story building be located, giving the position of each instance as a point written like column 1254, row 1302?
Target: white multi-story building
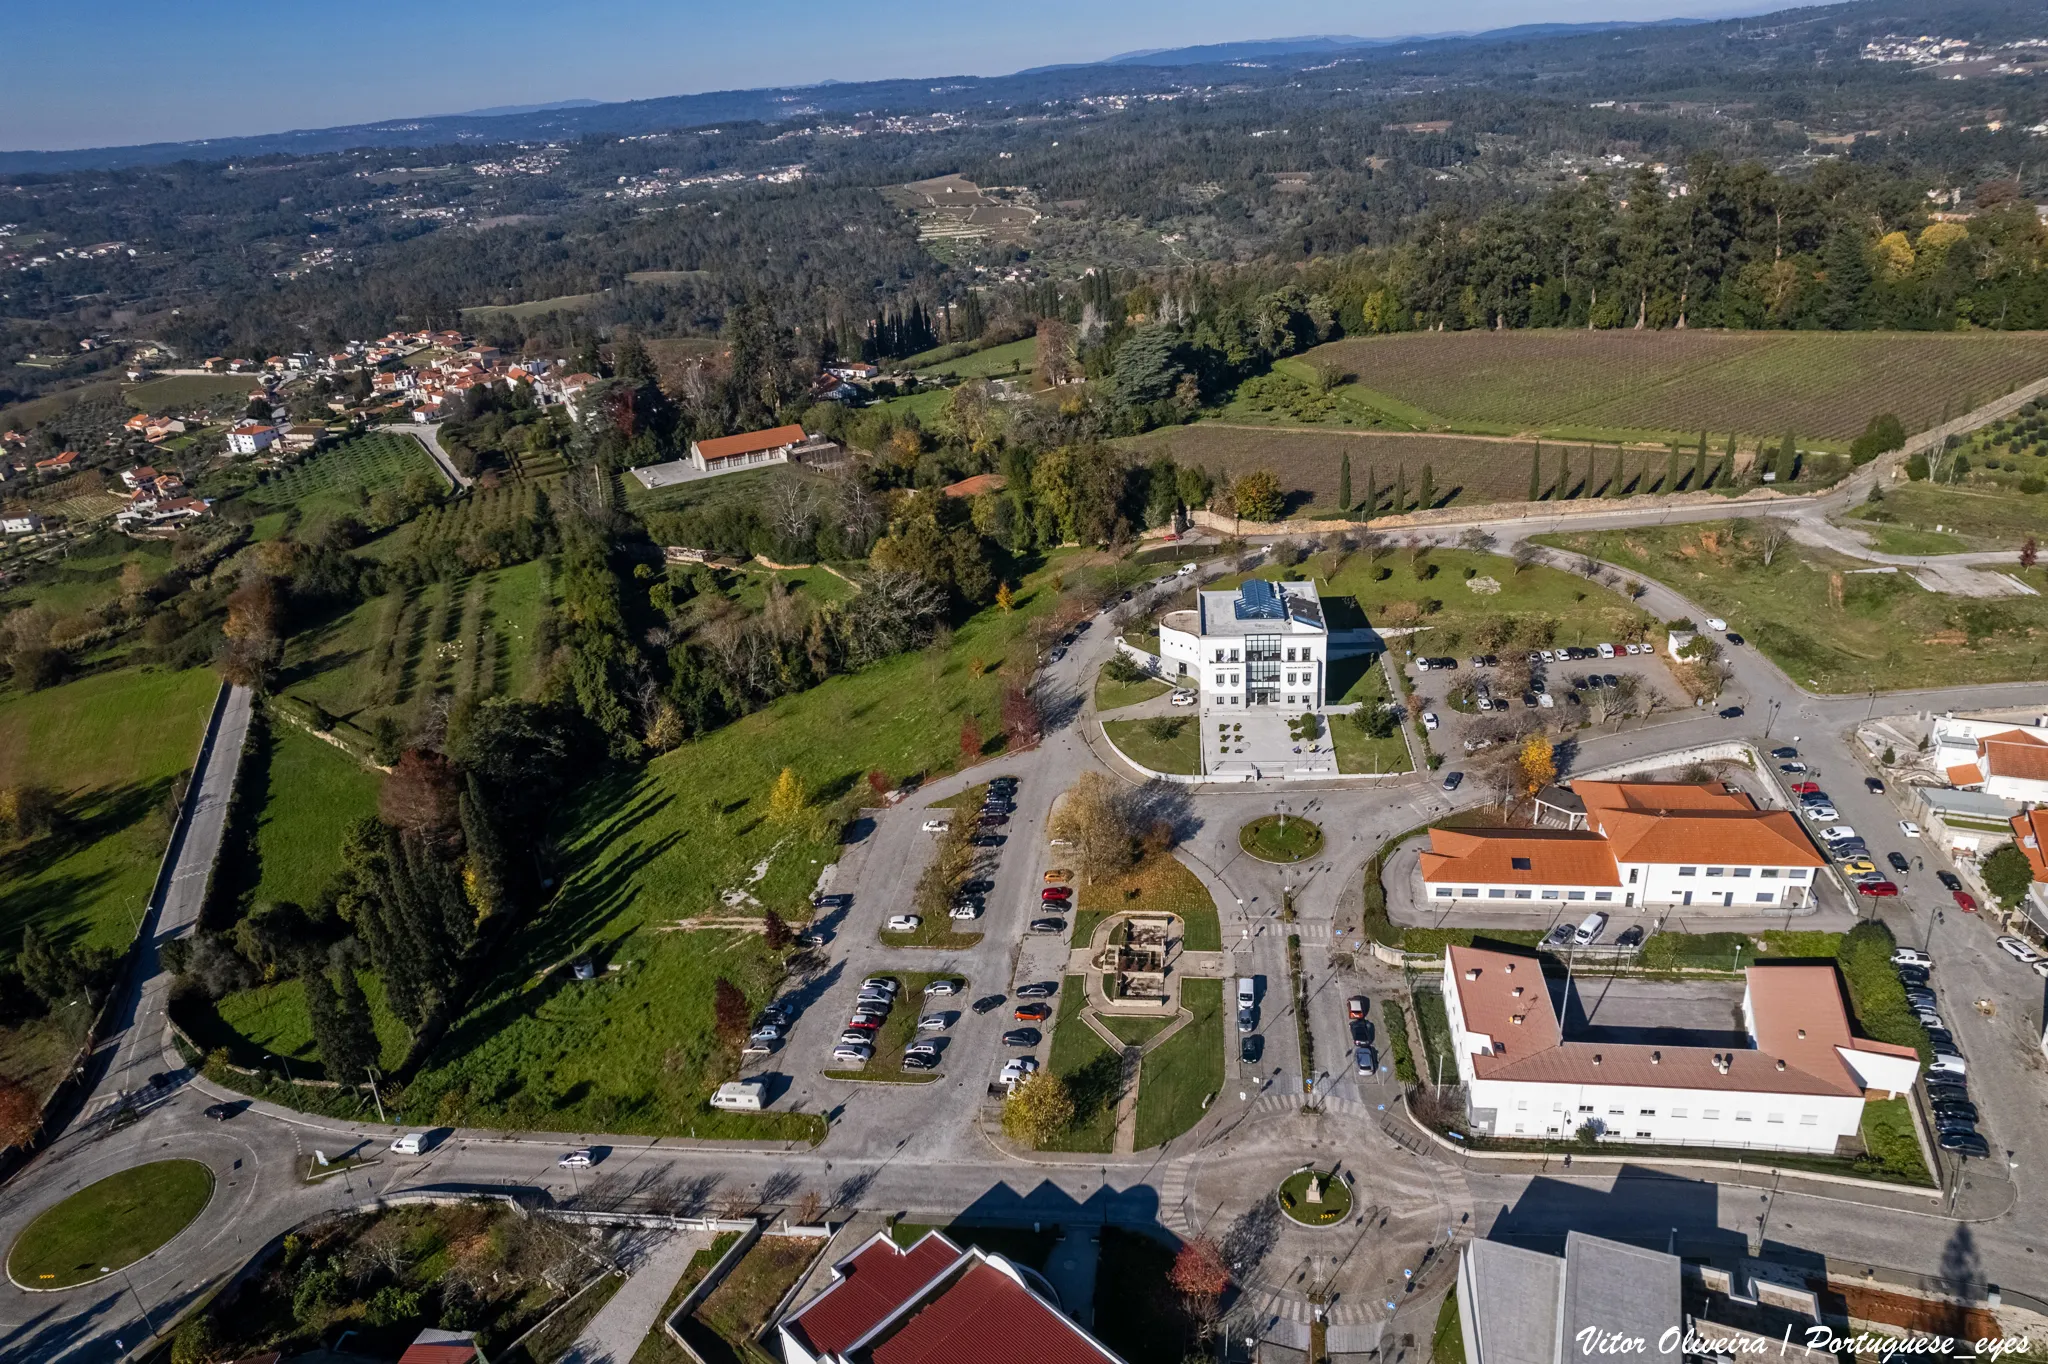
column 1799, row 1084
column 1266, row 645
column 1996, row 757
column 1644, row 843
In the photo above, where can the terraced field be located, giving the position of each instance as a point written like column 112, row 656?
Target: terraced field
column 1822, row 385
column 342, row 479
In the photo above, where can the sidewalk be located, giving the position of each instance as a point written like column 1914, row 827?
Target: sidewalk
column 621, row 1324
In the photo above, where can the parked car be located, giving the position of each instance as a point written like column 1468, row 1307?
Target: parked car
column 1429, row 719
column 1630, row 937
column 1589, row 930
column 924, row 1049
column 1057, row 654
column 1806, row 788
column 1732, row 713
column 1965, row 901
column 1787, row 752
column 1949, row 880
column 1898, row 862
column 1016, row 1071
column 1821, row 812
column 986, row 841
column 1249, row 1049
column 1059, row 874
column 1716, row 623
column 1032, row 1013
column 1836, row 832
column 1792, row 767
column 1039, row 989
column 938, row 826
column 1735, row 639
column 1873, row 785
column 1909, row 828
column 864, row 1023
column 1964, row 1144
column 2017, row 949
column 579, row 1159
column 1879, row 889
column 1858, row 865
column 942, row 987
column 966, row 911
column 221, row 1112
column 988, row 1002
column 1558, row 936
column 1048, row 925
column 1182, row 698
column 854, row 1037
column 1960, row 1110
column 904, row 923
column 1355, row 1007
column 1055, row 895
column 1911, row 956
column 1021, row 1037
column 1453, row 780
column 850, row 1051
column 919, row 1061
column 1366, row 1059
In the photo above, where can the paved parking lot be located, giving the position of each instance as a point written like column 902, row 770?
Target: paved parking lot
column 1569, row 685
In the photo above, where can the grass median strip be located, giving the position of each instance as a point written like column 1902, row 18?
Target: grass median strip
column 109, row 1224
column 1179, row 1077
column 900, row 1029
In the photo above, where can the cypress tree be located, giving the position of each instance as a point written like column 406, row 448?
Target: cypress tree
column 1699, row 465
column 1788, row 457
column 1617, row 482
column 1344, row 482
column 353, row 1048
column 1536, row 473
column 1372, row 493
column 1427, row 497
column 323, row 1012
column 1670, row 483
column 1400, row 489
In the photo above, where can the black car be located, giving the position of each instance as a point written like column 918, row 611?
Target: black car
column 1361, row 1030
column 987, row 840
column 1964, row 1144
column 976, row 887
column 1251, row 1048
column 987, row 1002
column 1002, row 783
column 1911, row 974
column 993, row 821
column 1784, row 753
column 1957, row 1110
column 1949, row 880
column 222, row 1112
column 1732, row 713
column 1630, row 937
column 1873, row 785
column 1048, row 925
column 1735, row 639
column 1452, row 780
column 1038, row 989
column 1898, row 861
column 1942, row 1087
column 920, row 1062
column 1021, row 1037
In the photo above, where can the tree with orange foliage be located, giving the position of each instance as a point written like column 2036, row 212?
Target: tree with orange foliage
column 1201, row 1277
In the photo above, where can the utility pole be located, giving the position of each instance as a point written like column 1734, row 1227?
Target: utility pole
column 140, row 1306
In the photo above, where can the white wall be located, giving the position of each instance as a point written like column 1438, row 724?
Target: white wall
column 1643, row 884
column 1630, row 1113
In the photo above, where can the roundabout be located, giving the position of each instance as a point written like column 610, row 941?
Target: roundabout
column 110, row 1224
column 1281, row 838
column 1313, row 1198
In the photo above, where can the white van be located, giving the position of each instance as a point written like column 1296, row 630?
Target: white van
column 750, row 1095
column 1185, row 569
column 1948, row 1065
column 1607, row 651
column 411, row 1144
column 1247, row 1003
column 1590, row 930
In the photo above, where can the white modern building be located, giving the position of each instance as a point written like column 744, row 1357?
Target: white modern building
column 1521, row 1306
column 1264, row 645
column 1643, row 843
column 1799, row 1084
column 1997, row 757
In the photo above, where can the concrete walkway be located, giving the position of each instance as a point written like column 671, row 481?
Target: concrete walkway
column 621, row 1324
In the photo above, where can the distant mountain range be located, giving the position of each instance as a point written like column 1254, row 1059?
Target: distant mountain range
column 505, row 110
column 1327, row 44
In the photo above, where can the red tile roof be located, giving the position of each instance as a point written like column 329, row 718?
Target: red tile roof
column 975, row 486
column 2030, row 831
column 986, row 1317
column 1966, row 774
column 438, row 1354
column 870, row 1284
column 1667, row 822
column 2014, row 754
column 1554, row 857
column 749, row 442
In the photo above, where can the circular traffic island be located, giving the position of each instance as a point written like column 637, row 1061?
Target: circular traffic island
column 1315, row 1198
column 1281, row 838
column 109, row 1225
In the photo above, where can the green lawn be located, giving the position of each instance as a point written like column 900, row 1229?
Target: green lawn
column 1356, row 752
column 1275, row 838
column 1889, row 1140
column 270, row 1020
column 1830, row 628
column 1186, row 1069
column 1132, row 1030
column 1179, row 752
column 1435, row 1026
column 314, row 792
column 900, row 1029
column 1092, row 1069
column 112, row 746
column 1895, row 540
column 340, row 480
column 633, row 1051
column 1007, row 360
column 1980, row 516
column 1156, row 885
column 111, row 1223
column 173, row 393
column 1111, row 694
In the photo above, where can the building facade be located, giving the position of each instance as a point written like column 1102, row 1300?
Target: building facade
column 1642, row 843
column 1996, row 757
column 1799, row 1084
column 1265, row 645
column 777, row 445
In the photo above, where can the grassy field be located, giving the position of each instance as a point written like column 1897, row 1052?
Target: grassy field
column 88, row 576
column 1157, row 885
column 340, row 480
column 115, row 770
column 1180, row 751
column 1972, row 516
column 314, row 791
column 1592, row 384
column 1829, row 628
column 633, row 1051
column 1357, row 751
column 1092, row 1069
column 109, row 1224
column 392, row 654
column 1008, row 360
column 270, row 1020
column 1889, row 1140
column 1110, row 693
column 174, row 393
column 1186, row 1070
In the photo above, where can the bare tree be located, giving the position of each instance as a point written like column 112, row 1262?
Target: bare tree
column 792, row 508
column 1771, row 537
column 860, row 514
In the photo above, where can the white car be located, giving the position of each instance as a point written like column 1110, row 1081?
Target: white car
column 889, row 983
column 1817, row 813
column 1909, row 828
column 938, row 826
column 2017, row 949
column 1015, row 1071
column 966, row 911
column 1589, row 931
column 942, row 987
column 1545, row 700
column 1835, row 833
column 1183, row 698
column 1911, row 956
column 1930, row 1019
column 904, row 923
column 577, row 1160
column 2041, row 968
column 1716, row 623
column 932, row 1023
column 1429, row 719
column 852, row 1051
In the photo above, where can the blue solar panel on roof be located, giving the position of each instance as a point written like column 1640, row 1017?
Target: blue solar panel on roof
column 1259, row 600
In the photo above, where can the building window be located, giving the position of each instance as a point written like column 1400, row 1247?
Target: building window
column 1617, row 1112
column 1519, row 1129
column 1717, row 871
column 1575, row 895
column 1519, row 863
column 1496, row 893
column 1640, row 1134
column 1470, row 892
column 1712, row 1115
column 1768, row 873
column 1809, row 1119
column 1742, row 871
column 1764, row 897
column 1646, row 1112
column 1550, row 895
column 1677, row 1112
column 1522, row 895
column 1585, row 1108
column 1633, row 872
column 1521, row 1105
column 1443, row 892
column 1219, row 655
column 1603, row 895
column 1688, row 871
column 1741, row 1116
column 1775, row 1117
column 1797, row 873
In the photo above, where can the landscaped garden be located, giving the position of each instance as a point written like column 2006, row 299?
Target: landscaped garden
column 110, row 1224
column 1315, row 1198
column 1164, row 743
column 1281, row 838
column 1158, row 884
column 1092, row 1071
column 1184, row 1073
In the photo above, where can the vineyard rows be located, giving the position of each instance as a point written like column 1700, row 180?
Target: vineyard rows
column 354, row 468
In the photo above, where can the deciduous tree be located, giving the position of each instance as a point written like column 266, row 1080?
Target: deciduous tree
column 1040, row 1109
column 787, row 798
column 1537, row 763
column 1091, row 816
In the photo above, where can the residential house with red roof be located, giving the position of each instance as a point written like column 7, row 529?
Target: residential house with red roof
column 934, row 1303
column 1996, row 757
column 434, row 1346
column 249, row 438
column 1643, row 843
column 777, row 445
column 1798, row 1084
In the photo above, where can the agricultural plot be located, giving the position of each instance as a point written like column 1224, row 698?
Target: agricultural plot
column 952, row 208
column 1971, row 515
column 1009, row 360
column 386, row 658
column 1590, row 384
column 342, row 480
column 1828, row 626
column 486, row 529
column 175, row 393
column 1465, row 471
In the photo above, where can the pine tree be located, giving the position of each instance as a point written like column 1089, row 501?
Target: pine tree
column 1400, row 489
column 1536, row 473
column 323, row 1013
column 1344, row 482
column 1426, row 498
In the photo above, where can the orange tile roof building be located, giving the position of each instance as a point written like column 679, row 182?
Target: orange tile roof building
column 1996, row 757
column 1799, row 1084
column 1644, row 843
column 777, row 445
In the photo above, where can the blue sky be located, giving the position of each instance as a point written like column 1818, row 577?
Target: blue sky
column 116, row 72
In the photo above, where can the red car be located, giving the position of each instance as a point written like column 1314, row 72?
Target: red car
column 1055, row 895
column 1032, row 1013
column 1805, row 788
column 1965, row 901
column 864, row 1022
column 1879, row 889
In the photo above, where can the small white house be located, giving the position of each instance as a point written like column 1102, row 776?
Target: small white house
column 1265, row 645
column 26, row 524
column 249, row 438
column 1997, row 757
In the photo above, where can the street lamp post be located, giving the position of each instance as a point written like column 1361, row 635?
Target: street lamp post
column 140, row 1306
